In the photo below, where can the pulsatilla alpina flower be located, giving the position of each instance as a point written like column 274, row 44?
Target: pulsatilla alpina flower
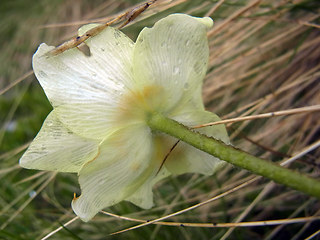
column 98, row 126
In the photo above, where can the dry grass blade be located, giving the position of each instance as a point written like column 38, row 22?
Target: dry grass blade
column 126, row 16
column 14, row 83
column 190, row 208
column 269, row 187
column 15, row 151
column 10, row 169
column 233, row 16
column 313, row 235
column 294, row 214
column 214, row 8
column 264, row 115
column 23, row 194
column 60, row 228
column 303, row 152
column 309, row 24
column 32, row 177
column 262, row 194
column 12, row 111
column 14, row 215
column 220, row 225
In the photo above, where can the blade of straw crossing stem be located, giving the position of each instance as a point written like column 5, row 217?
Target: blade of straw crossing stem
column 263, row 115
column 155, row 221
column 235, row 156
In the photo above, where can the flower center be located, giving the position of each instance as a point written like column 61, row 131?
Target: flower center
column 136, row 104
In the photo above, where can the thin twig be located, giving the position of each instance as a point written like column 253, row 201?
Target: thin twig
column 192, row 207
column 264, row 115
column 77, row 40
column 60, row 228
column 220, row 225
column 20, row 79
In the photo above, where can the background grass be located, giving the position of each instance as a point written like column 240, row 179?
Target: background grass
column 264, row 56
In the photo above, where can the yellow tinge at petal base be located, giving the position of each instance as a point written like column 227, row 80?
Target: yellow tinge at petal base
column 98, row 127
column 185, row 158
column 174, row 55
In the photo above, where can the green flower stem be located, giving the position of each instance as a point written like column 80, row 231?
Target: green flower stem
column 216, row 148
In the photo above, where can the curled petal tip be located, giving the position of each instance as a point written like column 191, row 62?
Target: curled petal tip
column 75, row 197
column 207, row 21
column 83, row 216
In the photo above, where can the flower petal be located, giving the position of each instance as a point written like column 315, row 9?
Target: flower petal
column 58, row 149
column 173, row 55
column 193, row 104
column 143, row 197
column 185, row 158
column 85, row 90
column 123, row 165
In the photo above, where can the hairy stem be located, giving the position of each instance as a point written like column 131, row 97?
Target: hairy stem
column 235, row 156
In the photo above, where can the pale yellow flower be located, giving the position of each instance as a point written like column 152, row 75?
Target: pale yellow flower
column 97, row 127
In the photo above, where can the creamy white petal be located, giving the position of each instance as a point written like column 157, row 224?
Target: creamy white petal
column 193, row 104
column 185, row 158
column 143, row 197
column 172, row 55
column 123, row 165
column 56, row 148
column 86, row 90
